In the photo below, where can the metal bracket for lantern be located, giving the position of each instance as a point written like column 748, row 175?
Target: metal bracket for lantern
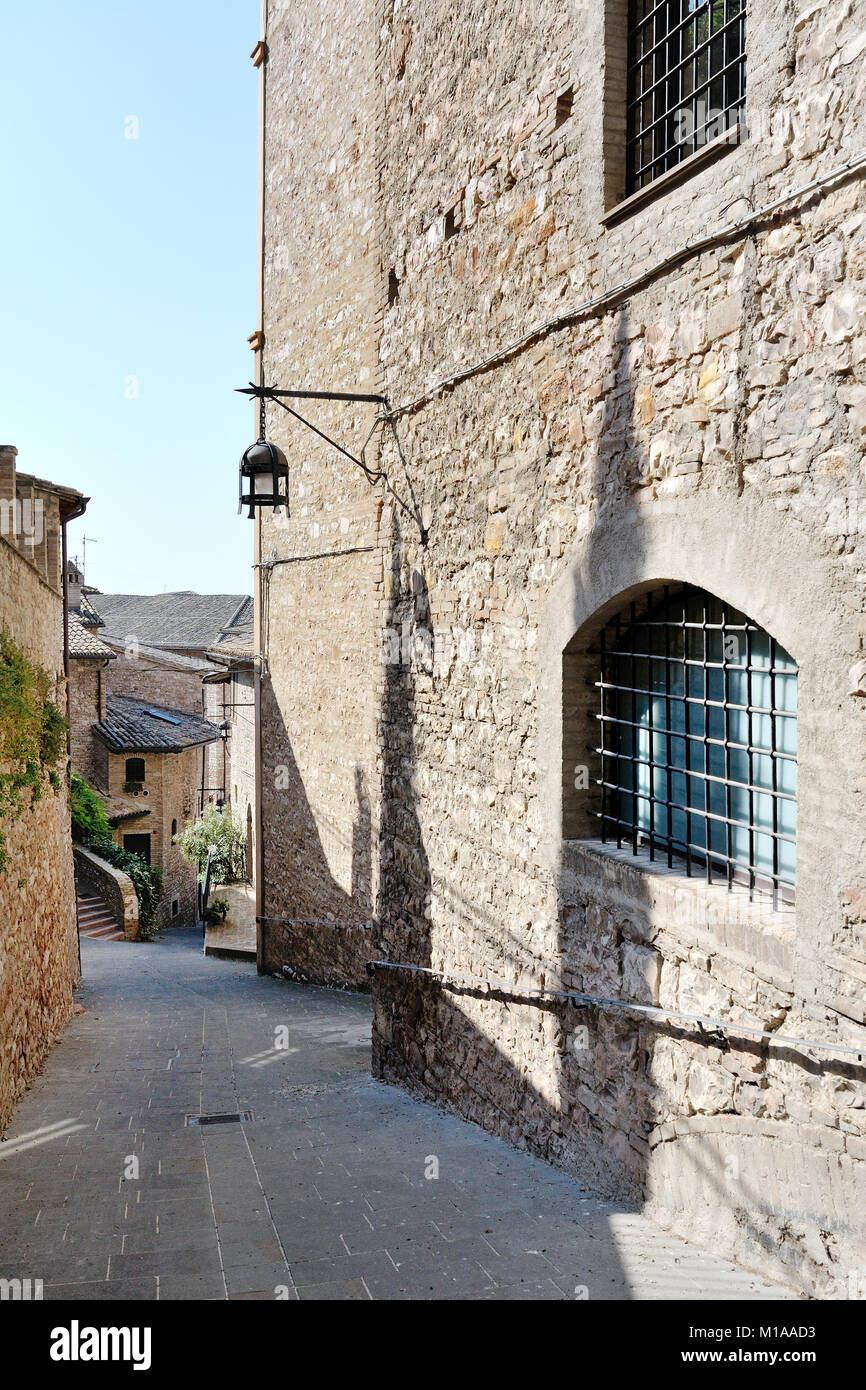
column 271, row 466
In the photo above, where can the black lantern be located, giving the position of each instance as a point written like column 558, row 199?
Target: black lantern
column 264, row 477
column 264, row 473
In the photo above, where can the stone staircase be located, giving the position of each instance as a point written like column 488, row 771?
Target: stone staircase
column 95, row 917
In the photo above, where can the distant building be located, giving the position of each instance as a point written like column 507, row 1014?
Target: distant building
column 152, row 727
column 153, row 756
column 163, row 644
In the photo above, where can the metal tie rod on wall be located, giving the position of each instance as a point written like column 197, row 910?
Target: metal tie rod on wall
column 618, row 292
column 317, row 922
column 447, row 978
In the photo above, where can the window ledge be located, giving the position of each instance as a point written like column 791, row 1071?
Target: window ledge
column 729, row 140
column 694, row 913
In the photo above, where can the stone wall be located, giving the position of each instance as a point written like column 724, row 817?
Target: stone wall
column 241, row 788
column 38, row 938
column 112, row 884
column 319, row 696
column 86, row 694
column 705, row 427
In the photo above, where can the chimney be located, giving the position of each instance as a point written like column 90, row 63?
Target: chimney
column 8, row 455
column 73, row 585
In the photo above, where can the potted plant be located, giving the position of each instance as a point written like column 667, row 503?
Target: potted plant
column 216, row 912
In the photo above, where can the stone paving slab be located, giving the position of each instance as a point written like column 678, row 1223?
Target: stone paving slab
column 107, row 1193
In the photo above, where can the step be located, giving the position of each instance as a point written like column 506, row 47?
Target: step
column 105, row 933
column 96, row 920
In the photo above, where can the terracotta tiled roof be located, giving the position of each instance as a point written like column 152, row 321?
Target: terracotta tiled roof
column 83, row 641
column 235, row 643
column 139, row 726
column 121, row 808
column 174, row 660
column 189, row 621
column 85, row 610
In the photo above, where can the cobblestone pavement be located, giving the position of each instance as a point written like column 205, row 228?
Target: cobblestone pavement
column 106, row 1192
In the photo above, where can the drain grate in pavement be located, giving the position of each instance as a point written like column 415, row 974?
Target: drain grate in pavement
column 238, row 1117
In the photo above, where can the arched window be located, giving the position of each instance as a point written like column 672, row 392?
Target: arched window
column 173, row 829
column 698, row 740
column 135, row 769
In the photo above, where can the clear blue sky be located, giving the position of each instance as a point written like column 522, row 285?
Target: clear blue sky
column 124, row 258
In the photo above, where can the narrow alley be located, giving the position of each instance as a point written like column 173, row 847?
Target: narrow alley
column 327, row 1190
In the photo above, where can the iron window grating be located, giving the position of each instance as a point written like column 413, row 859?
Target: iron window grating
column 686, row 80
column 629, row 813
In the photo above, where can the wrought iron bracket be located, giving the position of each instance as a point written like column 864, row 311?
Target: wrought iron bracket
column 279, row 397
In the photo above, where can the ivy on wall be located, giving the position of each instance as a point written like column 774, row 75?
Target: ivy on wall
column 32, row 735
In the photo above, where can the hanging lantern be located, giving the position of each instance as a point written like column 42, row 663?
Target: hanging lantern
column 264, row 473
column 264, row 477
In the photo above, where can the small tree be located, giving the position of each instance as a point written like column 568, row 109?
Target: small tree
column 214, row 844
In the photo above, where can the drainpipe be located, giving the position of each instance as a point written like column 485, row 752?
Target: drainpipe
column 261, row 61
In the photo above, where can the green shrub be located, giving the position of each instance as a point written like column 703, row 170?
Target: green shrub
column 32, row 733
column 89, row 821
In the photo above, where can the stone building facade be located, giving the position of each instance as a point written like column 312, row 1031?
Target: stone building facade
column 38, row 939
column 154, row 760
column 162, row 646
column 601, row 400
column 135, row 654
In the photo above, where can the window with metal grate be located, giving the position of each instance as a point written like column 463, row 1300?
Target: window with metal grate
column 698, row 740
column 686, row 80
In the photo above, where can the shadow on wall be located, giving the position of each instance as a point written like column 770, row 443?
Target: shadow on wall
column 298, row 886
column 426, row 1038
column 643, row 1109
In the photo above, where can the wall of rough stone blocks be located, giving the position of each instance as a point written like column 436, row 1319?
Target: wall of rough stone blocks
column 706, row 428
column 38, row 937
column 86, row 698
column 241, row 785
column 319, row 697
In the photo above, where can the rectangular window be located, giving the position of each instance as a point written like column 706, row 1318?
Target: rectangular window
column 686, row 80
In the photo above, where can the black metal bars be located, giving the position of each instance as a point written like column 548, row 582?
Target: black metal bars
column 686, row 78
column 697, row 743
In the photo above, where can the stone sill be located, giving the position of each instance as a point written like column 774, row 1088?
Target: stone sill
column 693, row 913
column 729, row 140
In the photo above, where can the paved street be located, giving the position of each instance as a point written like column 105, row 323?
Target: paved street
column 106, row 1192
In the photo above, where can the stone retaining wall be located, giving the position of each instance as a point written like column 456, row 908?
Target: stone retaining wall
column 112, row 884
